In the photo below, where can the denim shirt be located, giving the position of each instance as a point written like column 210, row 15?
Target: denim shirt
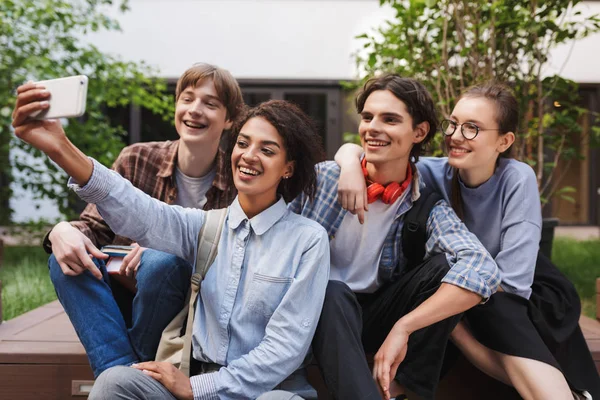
column 259, row 303
column 471, row 266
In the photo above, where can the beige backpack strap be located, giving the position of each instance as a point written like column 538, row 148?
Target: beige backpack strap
column 208, row 243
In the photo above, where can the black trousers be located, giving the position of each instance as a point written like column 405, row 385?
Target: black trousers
column 352, row 323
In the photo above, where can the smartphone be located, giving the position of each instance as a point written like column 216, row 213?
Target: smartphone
column 67, row 97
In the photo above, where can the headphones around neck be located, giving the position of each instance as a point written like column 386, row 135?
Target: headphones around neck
column 388, row 193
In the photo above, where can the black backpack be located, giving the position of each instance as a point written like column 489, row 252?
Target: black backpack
column 414, row 230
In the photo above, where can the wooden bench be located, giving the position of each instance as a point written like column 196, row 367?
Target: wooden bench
column 42, row 358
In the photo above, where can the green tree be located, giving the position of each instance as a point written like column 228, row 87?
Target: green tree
column 450, row 45
column 43, row 39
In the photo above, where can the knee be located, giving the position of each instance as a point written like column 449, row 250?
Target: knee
column 157, row 266
column 337, row 297
column 56, row 274
column 435, row 269
column 278, row 395
column 53, row 265
column 111, row 383
column 58, row 277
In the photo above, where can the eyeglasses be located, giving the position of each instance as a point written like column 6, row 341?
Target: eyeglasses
column 468, row 129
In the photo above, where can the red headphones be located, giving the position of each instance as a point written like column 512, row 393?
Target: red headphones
column 389, row 193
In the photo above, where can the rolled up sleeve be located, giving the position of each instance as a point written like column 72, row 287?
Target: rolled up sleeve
column 471, row 266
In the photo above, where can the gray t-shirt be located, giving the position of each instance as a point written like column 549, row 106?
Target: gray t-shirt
column 191, row 192
column 504, row 213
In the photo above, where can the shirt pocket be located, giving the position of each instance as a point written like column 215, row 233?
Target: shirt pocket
column 266, row 293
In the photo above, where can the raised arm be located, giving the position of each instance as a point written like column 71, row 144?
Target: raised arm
column 132, row 213
column 127, row 210
column 49, row 137
column 288, row 334
column 352, row 190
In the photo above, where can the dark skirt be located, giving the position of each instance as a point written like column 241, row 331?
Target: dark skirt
column 544, row 328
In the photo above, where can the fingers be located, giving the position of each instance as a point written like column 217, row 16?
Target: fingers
column 394, row 370
column 343, row 199
column 76, row 260
column 383, row 379
column 94, row 251
column 361, row 215
column 150, row 368
column 149, row 365
column 154, row 375
column 381, row 373
column 29, row 102
column 132, row 261
column 70, row 269
column 26, row 86
column 21, row 114
column 83, row 259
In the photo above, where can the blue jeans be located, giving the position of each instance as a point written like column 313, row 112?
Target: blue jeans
column 163, row 281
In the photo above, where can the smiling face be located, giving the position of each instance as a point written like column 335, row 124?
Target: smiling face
column 200, row 117
column 387, row 133
column 476, row 158
column 259, row 162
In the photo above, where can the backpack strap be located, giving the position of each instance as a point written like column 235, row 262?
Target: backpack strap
column 414, row 230
column 208, row 243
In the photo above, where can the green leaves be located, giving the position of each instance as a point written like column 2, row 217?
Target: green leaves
column 450, row 45
column 41, row 39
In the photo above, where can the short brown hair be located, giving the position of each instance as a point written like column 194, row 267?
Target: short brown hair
column 414, row 95
column 227, row 87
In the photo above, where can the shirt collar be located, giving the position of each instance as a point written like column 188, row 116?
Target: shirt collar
column 261, row 222
column 167, row 168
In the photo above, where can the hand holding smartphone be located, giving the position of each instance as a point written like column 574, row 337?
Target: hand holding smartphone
column 67, row 97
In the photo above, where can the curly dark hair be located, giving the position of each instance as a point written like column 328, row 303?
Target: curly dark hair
column 414, row 95
column 301, row 141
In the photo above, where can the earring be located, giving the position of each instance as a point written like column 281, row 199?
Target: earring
column 286, row 176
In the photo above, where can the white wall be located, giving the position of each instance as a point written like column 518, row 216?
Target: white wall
column 298, row 39
column 580, row 60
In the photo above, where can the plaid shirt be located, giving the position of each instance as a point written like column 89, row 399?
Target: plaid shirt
column 471, row 266
column 151, row 168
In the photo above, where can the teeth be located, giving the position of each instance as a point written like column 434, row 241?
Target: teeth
column 193, row 125
column 376, row 143
column 249, row 171
column 459, row 150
